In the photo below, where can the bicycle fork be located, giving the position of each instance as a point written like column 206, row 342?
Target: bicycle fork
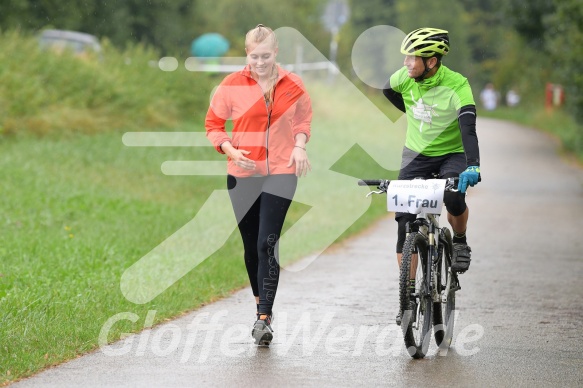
column 449, row 284
column 432, row 253
column 443, row 297
column 428, row 230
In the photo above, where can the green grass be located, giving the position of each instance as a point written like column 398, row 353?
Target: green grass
column 75, row 214
column 78, row 210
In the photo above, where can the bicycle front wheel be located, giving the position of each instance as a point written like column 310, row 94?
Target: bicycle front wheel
column 416, row 304
column 444, row 311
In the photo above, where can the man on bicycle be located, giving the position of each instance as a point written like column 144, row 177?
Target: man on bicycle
column 441, row 130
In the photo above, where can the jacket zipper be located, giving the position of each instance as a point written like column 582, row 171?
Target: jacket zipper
column 269, row 110
column 267, row 140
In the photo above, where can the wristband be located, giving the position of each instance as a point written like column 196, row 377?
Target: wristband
column 300, row 147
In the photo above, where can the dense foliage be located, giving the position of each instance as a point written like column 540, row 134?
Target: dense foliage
column 512, row 43
column 167, row 25
column 46, row 92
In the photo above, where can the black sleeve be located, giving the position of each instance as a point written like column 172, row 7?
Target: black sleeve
column 394, row 97
column 467, row 123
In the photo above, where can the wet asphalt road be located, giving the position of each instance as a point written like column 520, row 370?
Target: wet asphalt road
column 520, row 310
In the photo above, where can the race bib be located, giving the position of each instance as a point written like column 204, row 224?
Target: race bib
column 416, row 196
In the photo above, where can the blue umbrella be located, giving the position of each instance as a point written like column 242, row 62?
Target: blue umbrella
column 210, row 44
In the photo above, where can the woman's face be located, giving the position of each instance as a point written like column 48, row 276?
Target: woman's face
column 261, row 58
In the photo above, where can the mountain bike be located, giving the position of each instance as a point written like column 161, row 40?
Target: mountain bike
column 427, row 255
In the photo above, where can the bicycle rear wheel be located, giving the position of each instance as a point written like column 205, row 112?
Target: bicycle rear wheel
column 444, row 312
column 417, row 309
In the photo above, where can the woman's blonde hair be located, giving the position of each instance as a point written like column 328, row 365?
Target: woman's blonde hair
column 261, row 34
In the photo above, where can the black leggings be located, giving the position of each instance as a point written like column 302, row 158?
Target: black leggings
column 260, row 205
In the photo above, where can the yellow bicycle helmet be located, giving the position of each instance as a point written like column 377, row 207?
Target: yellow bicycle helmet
column 426, row 42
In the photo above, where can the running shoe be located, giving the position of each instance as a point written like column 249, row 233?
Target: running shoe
column 262, row 331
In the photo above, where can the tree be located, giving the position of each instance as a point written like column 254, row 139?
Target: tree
column 233, row 19
column 564, row 40
column 449, row 16
column 169, row 26
column 527, row 18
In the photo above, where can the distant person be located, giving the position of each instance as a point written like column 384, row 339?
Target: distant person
column 271, row 112
column 512, row 98
column 441, row 133
column 489, row 97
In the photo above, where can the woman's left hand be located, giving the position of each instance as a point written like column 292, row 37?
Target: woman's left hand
column 299, row 156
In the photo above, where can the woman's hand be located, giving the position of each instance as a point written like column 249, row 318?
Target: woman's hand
column 238, row 156
column 299, row 156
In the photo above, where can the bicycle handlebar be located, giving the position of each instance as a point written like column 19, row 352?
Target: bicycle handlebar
column 370, row 182
column 383, row 184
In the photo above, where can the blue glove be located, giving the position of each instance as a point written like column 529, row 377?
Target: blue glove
column 469, row 177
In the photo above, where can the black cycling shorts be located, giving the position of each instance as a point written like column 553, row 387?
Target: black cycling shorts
column 415, row 165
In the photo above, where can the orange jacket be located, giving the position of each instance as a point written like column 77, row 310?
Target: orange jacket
column 267, row 132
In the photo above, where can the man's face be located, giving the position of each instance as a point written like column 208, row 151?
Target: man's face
column 414, row 65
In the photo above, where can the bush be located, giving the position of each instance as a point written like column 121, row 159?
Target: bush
column 44, row 92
